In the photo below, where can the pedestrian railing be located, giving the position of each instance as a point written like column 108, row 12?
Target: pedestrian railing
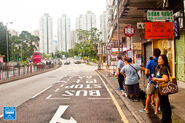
column 15, row 71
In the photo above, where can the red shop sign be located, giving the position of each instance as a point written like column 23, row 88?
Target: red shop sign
column 158, row 30
column 129, row 31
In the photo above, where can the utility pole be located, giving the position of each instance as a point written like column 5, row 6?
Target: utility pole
column 118, row 27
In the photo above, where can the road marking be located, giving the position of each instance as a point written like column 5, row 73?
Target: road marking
column 124, row 119
column 41, row 91
column 61, row 85
column 69, row 78
column 61, row 81
column 59, row 98
column 1, row 116
column 57, row 117
column 57, row 89
column 49, row 96
column 99, row 98
column 78, row 81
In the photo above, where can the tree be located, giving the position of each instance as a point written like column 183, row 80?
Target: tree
column 88, row 42
column 3, row 40
column 22, row 45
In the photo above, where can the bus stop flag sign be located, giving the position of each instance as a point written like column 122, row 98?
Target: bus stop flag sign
column 129, row 31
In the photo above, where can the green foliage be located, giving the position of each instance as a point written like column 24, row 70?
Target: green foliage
column 87, row 47
column 22, row 45
column 2, row 40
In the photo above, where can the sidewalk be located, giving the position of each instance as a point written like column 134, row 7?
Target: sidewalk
column 176, row 100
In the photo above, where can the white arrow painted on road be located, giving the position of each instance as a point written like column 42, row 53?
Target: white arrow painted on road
column 57, row 117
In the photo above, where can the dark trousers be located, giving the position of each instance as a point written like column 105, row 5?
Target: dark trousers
column 133, row 89
column 165, row 108
column 121, row 80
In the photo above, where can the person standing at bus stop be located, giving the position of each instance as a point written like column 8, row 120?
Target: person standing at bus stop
column 151, row 89
column 120, row 65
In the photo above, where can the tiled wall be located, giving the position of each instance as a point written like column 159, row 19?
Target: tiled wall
column 180, row 57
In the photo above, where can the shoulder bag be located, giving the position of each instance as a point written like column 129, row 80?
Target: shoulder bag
column 169, row 87
column 136, row 71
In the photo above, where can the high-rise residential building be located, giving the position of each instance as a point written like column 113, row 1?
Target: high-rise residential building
column 64, row 33
column 46, row 34
column 103, row 27
column 73, row 38
column 80, row 22
column 87, row 21
column 55, row 46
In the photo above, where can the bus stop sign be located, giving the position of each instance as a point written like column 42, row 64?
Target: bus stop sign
column 129, row 31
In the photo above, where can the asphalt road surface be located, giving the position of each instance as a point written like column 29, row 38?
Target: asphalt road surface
column 71, row 94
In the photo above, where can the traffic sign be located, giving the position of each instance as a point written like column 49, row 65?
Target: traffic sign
column 129, row 31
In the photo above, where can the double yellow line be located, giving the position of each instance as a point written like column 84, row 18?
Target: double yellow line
column 124, row 119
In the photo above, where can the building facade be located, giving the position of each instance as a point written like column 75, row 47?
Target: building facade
column 89, row 20
column 46, row 34
column 86, row 22
column 64, row 34
column 103, row 27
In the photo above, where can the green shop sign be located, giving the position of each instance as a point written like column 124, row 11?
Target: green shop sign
column 159, row 15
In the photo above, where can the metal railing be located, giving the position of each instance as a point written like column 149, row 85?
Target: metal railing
column 15, row 71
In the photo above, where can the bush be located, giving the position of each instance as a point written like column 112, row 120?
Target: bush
column 95, row 61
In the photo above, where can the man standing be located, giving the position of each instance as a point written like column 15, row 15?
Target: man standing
column 151, row 87
column 120, row 65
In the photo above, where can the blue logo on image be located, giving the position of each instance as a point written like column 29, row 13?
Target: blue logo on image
column 9, row 113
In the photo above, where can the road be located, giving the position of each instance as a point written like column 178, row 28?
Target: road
column 72, row 93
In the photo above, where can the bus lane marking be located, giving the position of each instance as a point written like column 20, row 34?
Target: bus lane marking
column 49, row 96
column 99, row 98
column 124, row 119
column 57, row 116
column 57, row 89
column 41, row 92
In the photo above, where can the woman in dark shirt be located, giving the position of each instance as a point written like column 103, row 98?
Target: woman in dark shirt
column 163, row 76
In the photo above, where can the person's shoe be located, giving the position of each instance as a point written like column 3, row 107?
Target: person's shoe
column 120, row 88
column 124, row 94
column 143, row 111
column 136, row 100
column 131, row 99
column 152, row 104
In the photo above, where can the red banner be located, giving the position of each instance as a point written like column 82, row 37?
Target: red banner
column 159, row 30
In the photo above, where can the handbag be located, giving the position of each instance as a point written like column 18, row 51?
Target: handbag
column 169, row 87
column 136, row 71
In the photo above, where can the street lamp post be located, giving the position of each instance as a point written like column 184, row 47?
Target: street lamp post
column 118, row 27
column 7, row 40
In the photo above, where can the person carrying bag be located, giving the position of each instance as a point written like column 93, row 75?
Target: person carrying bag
column 162, row 78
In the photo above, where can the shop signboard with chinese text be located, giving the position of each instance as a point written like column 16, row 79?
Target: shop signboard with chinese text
column 159, row 15
column 159, row 30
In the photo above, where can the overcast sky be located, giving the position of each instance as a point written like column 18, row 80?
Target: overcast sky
column 25, row 14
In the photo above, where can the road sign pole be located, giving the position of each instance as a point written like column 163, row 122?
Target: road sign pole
column 118, row 27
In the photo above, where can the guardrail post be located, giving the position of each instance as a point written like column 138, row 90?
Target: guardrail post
column 19, row 70
column 0, row 74
column 7, row 72
column 31, row 68
column 14, row 71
